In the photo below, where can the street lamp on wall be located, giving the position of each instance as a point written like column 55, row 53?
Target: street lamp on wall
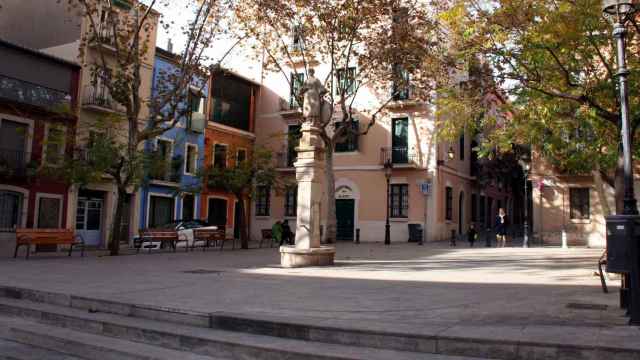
column 451, row 154
column 388, row 169
column 619, row 12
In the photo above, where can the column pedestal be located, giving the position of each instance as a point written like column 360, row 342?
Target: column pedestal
column 307, row 250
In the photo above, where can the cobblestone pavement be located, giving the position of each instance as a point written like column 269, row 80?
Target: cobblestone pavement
column 402, row 285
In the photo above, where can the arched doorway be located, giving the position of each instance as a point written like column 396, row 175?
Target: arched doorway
column 460, row 212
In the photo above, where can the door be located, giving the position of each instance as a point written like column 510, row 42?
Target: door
column 49, row 216
column 160, row 211
column 400, row 141
column 10, row 210
column 89, row 220
column 217, row 214
column 345, row 223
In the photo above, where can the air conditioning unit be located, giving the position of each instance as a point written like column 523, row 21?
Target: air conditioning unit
column 197, row 123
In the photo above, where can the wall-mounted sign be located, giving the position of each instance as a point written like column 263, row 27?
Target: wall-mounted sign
column 344, row 192
column 425, row 187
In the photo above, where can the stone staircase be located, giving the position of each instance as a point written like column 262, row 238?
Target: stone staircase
column 43, row 325
column 39, row 325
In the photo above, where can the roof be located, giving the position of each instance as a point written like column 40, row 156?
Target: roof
column 218, row 69
column 40, row 54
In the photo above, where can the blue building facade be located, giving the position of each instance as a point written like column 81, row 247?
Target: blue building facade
column 171, row 188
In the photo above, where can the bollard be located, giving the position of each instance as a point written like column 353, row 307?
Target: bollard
column 357, row 236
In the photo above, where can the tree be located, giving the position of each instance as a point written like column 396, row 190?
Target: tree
column 555, row 59
column 241, row 180
column 121, row 33
column 378, row 47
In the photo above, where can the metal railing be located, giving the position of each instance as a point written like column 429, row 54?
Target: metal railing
column 33, row 94
column 397, row 155
column 99, row 96
column 104, row 36
column 14, row 162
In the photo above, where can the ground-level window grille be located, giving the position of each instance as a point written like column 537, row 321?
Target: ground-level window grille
column 580, row 206
column 399, row 200
column 262, row 200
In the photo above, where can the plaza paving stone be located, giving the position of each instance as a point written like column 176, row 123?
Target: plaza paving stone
column 510, row 293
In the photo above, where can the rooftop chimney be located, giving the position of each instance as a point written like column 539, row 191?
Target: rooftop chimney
column 170, row 46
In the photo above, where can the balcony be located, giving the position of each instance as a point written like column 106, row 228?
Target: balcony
column 14, row 163
column 196, row 122
column 32, row 94
column 399, row 157
column 163, row 171
column 99, row 99
column 104, row 37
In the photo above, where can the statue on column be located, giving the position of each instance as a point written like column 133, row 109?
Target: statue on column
column 313, row 91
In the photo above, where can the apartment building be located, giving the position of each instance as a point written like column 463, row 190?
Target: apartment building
column 38, row 116
column 171, row 188
column 229, row 138
column 54, row 28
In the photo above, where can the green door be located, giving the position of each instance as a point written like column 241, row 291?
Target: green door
column 345, row 219
column 400, row 141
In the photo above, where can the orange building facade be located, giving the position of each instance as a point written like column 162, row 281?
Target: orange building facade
column 229, row 139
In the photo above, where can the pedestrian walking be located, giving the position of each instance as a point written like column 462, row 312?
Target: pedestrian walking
column 276, row 231
column 501, row 228
column 287, row 235
column 472, row 235
column 452, row 241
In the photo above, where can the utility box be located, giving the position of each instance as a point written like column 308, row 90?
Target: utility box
column 620, row 230
column 415, row 232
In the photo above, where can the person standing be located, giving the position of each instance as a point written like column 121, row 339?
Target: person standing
column 276, row 232
column 287, row 234
column 472, row 235
column 501, row 228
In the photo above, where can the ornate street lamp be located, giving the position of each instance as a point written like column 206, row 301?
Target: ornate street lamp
column 388, row 169
column 526, row 167
column 451, row 154
column 619, row 12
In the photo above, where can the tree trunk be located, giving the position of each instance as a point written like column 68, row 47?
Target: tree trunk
column 330, row 231
column 114, row 244
column 244, row 230
column 600, row 189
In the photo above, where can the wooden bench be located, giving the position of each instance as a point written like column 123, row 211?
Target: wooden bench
column 221, row 236
column 160, row 235
column 28, row 237
column 267, row 235
column 207, row 236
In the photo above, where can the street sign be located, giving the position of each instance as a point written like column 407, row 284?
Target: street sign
column 425, row 188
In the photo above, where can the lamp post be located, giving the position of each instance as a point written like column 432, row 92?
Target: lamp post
column 619, row 11
column 525, row 168
column 388, row 169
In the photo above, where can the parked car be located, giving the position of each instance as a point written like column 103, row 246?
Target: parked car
column 184, row 229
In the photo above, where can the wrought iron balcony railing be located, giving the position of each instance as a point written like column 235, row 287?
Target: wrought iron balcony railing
column 398, row 156
column 33, row 94
column 99, row 98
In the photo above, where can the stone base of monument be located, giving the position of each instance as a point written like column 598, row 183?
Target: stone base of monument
column 291, row 257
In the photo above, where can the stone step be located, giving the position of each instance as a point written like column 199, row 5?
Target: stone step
column 11, row 350
column 88, row 346
column 204, row 341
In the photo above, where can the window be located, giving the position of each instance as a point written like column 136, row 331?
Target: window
column 164, row 149
column 401, row 82
column 188, row 207
column 191, row 163
column 13, row 144
column 220, row 156
column 462, row 147
column 10, row 210
column 474, row 208
column 349, row 140
column 232, row 101
column 399, row 201
column 297, row 80
column 449, row 203
column 291, row 201
column 54, row 147
column 297, row 38
column 161, row 211
column 580, row 207
column 195, row 119
column 161, row 166
column 346, row 81
column 49, row 212
column 263, row 194
column 293, row 140
column 241, row 156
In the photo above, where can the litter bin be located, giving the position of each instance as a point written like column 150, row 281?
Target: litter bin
column 415, row 232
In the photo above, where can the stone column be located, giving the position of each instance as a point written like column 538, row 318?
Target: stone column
column 307, row 250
